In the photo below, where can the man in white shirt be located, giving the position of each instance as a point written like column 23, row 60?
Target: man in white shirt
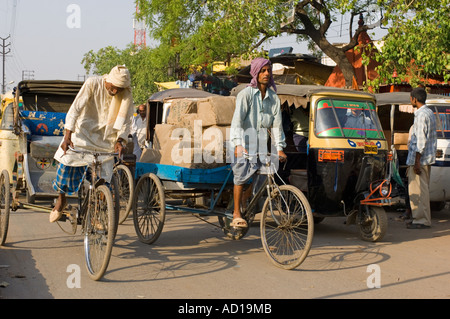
column 99, row 119
column 139, row 130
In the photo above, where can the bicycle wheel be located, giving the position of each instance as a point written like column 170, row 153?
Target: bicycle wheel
column 149, row 208
column 99, row 232
column 125, row 182
column 5, row 205
column 287, row 227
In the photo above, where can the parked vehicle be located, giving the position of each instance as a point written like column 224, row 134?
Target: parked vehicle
column 397, row 116
column 344, row 171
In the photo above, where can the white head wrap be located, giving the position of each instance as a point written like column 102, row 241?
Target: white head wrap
column 119, row 77
column 122, row 101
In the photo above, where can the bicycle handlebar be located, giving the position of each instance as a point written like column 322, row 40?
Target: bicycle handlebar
column 94, row 153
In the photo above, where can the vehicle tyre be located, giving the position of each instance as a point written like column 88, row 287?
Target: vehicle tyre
column 100, row 232
column 5, row 200
column 374, row 226
column 125, row 183
column 149, row 208
column 287, row 227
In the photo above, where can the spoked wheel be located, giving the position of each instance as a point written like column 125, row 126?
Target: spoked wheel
column 287, row 227
column 99, row 233
column 149, row 208
column 373, row 224
column 125, row 184
column 5, row 198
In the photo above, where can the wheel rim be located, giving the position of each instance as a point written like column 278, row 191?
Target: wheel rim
column 287, row 231
column 125, row 190
column 150, row 210
column 373, row 226
column 97, row 241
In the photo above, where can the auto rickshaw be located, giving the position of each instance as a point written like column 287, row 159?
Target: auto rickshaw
column 344, row 170
column 397, row 116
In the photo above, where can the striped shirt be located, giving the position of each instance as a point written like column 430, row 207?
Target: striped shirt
column 423, row 137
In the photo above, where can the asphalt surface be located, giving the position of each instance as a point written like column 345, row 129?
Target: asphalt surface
column 194, row 260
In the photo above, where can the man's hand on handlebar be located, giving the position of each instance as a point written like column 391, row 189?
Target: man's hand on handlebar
column 118, row 147
column 67, row 142
column 282, row 156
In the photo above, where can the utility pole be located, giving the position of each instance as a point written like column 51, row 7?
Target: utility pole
column 4, row 52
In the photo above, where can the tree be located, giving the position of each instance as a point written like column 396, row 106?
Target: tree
column 146, row 66
column 203, row 31
column 418, row 43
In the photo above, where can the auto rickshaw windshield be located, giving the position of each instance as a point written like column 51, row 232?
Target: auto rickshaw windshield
column 347, row 118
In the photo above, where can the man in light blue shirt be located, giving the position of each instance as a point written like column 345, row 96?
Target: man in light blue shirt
column 257, row 110
column 421, row 155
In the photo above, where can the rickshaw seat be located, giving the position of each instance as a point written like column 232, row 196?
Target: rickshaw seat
column 45, row 130
column 44, row 123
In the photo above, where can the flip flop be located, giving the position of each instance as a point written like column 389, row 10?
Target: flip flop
column 239, row 223
column 55, row 215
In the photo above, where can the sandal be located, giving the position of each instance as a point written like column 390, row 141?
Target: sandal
column 417, row 226
column 238, row 223
column 55, row 215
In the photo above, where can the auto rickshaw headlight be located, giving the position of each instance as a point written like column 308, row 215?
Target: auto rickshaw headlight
column 385, row 189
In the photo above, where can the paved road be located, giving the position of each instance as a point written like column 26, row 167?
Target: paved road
column 193, row 260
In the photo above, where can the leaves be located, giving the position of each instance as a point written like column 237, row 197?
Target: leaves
column 418, row 42
column 146, row 67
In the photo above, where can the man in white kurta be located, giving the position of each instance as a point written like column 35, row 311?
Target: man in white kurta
column 99, row 119
column 139, row 130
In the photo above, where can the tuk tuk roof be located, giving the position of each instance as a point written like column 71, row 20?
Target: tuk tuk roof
column 48, row 95
column 398, row 98
column 59, row 87
column 299, row 94
column 178, row 94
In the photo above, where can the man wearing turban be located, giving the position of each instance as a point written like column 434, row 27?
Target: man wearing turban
column 100, row 120
column 257, row 110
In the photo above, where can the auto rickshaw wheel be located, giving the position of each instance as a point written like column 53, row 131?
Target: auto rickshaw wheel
column 373, row 224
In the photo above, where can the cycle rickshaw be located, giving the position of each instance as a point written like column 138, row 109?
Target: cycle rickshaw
column 345, row 169
column 35, row 131
column 286, row 221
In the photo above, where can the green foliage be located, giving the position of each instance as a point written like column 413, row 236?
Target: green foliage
column 146, row 66
column 418, row 43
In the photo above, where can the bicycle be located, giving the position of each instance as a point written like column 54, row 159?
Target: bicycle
column 286, row 222
column 97, row 216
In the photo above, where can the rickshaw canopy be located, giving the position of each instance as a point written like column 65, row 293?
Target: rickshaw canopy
column 299, row 95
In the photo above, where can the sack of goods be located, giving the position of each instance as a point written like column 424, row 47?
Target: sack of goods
column 196, row 134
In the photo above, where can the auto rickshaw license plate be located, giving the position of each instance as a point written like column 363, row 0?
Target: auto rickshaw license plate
column 370, row 149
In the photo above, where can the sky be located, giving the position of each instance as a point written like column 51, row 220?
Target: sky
column 48, row 38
